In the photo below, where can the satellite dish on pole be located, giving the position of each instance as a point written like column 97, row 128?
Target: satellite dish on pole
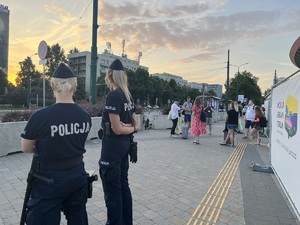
column 43, row 50
column 295, row 53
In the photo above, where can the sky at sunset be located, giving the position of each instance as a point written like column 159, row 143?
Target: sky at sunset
column 187, row 38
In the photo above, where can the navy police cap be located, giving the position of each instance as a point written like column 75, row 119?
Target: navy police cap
column 116, row 65
column 63, row 71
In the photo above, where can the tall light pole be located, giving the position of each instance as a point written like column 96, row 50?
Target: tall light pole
column 93, row 74
column 29, row 84
column 237, row 80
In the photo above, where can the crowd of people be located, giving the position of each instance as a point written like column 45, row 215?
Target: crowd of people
column 238, row 112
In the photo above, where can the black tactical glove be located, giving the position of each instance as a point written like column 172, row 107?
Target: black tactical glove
column 133, row 152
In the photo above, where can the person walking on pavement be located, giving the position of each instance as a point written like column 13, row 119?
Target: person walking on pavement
column 198, row 127
column 232, row 120
column 249, row 117
column 240, row 125
column 187, row 108
column 57, row 134
column 208, row 114
column 255, row 132
column 118, row 123
column 174, row 116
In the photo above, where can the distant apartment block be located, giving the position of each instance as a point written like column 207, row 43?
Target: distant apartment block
column 80, row 63
column 168, row 77
column 217, row 88
column 4, row 37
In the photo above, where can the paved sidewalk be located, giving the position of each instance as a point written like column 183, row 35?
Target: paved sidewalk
column 175, row 182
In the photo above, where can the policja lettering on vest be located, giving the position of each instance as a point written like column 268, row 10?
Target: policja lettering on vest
column 128, row 106
column 69, row 129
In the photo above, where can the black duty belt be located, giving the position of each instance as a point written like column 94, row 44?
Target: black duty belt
column 61, row 165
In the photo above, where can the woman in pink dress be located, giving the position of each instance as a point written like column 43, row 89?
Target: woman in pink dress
column 198, row 127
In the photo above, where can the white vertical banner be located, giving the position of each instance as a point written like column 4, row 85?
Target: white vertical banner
column 285, row 139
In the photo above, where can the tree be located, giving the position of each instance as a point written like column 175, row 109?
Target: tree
column 74, row 50
column 16, row 96
column 211, row 93
column 248, row 86
column 80, row 93
column 3, row 82
column 55, row 56
column 26, row 68
column 267, row 92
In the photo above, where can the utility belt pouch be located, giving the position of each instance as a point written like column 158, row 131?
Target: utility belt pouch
column 90, row 180
column 133, row 151
column 101, row 133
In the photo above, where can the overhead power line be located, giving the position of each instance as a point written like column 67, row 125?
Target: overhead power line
column 79, row 20
column 40, row 20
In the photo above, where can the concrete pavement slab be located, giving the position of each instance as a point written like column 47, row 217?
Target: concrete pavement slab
column 168, row 182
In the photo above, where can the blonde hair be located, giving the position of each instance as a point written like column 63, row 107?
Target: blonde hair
column 234, row 105
column 119, row 79
column 63, row 85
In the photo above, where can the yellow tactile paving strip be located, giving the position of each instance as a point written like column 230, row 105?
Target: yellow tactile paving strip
column 208, row 211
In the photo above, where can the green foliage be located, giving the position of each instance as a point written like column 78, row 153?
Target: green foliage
column 74, row 50
column 16, row 96
column 153, row 90
column 27, row 68
column 247, row 86
column 80, row 93
column 55, row 56
column 3, row 82
column 211, row 93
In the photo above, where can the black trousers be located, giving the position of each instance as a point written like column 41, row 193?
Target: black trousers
column 114, row 167
column 175, row 121
column 69, row 191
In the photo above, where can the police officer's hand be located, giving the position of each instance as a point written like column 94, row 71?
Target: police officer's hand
column 133, row 152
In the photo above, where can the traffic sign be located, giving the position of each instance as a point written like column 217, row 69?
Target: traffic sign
column 43, row 50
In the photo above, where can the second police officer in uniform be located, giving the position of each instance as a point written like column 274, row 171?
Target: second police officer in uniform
column 58, row 134
column 119, row 123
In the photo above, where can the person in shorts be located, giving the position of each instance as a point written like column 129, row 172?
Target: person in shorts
column 249, row 117
column 208, row 110
column 232, row 120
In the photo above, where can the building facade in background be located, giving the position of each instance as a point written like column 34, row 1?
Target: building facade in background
column 217, row 88
column 168, row 77
column 80, row 63
column 4, row 37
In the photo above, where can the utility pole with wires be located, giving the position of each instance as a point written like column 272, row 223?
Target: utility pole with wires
column 227, row 83
column 93, row 73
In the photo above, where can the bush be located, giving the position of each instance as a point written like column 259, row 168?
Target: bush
column 93, row 110
column 17, row 116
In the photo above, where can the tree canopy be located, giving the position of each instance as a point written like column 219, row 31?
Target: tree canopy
column 247, row 86
column 3, row 82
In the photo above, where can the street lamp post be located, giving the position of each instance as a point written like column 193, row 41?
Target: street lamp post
column 237, row 81
column 29, row 84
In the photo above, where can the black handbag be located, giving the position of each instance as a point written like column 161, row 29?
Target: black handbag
column 202, row 116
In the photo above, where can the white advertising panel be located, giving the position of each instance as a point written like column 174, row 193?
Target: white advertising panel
column 285, row 140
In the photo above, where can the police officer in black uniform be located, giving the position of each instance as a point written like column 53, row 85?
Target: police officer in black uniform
column 58, row 134
column 119, row 123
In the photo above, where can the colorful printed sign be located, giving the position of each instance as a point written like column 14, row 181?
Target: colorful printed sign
column 285, row 139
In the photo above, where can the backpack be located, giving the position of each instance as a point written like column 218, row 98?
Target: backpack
column 263, row 122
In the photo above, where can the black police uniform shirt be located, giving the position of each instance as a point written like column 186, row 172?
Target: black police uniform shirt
column 60, row 131
column 117, row 103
